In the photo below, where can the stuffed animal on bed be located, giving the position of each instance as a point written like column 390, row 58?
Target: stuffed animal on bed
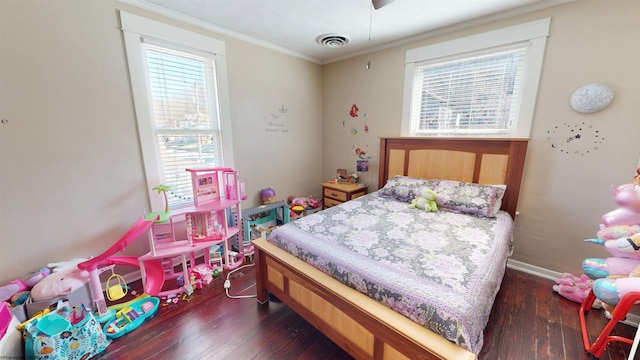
column 427, row 201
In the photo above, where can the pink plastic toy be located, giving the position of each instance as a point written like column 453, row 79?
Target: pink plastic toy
column 620, row 216
column 628, row 197
column 12, row 288
column 35, row 277
column 154, row 274
column 618, row 276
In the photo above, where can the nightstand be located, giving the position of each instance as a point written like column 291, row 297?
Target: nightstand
column 335, row 193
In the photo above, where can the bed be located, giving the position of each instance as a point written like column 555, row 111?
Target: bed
column 381, row 280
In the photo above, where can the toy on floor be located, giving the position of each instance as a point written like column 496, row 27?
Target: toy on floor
column 59, row 283
column 200, row 275
column 154, row 273
column 69, row 332
column 297, row 205
column 307, row 203
column 118, row 290
column 296, row 211
column 574, row 288
column 20, row 286
column 11, row 288
column 597, row 268
column 131, row 317
column 619, row 275
column 616, row 232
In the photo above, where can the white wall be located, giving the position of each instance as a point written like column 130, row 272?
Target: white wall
column 563, row 195
column 71, row 174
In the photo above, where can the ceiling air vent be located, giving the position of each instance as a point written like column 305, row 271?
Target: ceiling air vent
column 332, row 40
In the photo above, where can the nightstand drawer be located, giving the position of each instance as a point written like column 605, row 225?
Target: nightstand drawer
column 357, row 195
column 328, row 202
column 335, row 194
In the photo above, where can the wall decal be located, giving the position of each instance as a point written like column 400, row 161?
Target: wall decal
column 580, row 139
column 276, row 122
column 362, row 155
column 354, row 111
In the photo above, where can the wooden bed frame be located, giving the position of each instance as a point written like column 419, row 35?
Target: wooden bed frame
column 363, row 327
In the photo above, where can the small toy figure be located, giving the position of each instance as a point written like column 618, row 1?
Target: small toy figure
column 307, row 203
column 268, row 196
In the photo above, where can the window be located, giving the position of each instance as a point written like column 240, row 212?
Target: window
column 483, row 85
column 177, row 87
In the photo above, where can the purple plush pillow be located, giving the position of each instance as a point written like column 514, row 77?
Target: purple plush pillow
column 470, row 198
column 405, row 188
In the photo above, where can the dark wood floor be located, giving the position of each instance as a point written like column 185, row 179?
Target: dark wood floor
column 528, row 322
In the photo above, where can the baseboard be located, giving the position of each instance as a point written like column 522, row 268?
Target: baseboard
column 533, row 270
column 632, row 319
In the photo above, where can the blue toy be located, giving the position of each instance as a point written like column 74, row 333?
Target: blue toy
column 131, row 317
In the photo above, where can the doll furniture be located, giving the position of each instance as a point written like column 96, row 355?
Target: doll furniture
column 273, row 214
column 207, row 217
column 217, row 194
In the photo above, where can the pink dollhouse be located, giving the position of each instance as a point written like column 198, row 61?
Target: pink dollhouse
column 217, row 195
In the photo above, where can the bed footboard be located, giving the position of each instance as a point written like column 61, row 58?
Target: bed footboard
column 361, row 326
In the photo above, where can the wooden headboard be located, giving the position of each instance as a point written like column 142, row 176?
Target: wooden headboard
column 478, row 160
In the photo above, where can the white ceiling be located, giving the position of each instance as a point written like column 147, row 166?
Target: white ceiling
column 292, row 26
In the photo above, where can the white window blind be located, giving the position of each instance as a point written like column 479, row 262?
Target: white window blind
column 485, row 84
column 476, row 94
column 184, row 115
column 181, row 97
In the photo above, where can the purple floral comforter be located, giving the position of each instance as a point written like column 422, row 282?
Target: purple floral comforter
column 441, row 269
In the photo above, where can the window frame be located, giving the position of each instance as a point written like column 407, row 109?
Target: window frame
column 534, row 34
column 135, row 29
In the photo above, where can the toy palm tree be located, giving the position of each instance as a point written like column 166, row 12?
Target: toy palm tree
column 163, row 189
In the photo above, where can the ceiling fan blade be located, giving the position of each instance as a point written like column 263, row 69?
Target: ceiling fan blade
column 377, row 4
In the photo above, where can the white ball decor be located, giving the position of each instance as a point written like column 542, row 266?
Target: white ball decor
column 591, row 98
